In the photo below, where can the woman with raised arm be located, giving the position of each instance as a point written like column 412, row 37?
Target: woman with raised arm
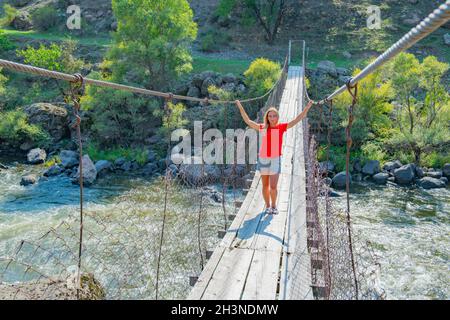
column 269, row 157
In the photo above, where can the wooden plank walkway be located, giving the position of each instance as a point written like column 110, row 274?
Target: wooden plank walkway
column 265, row 257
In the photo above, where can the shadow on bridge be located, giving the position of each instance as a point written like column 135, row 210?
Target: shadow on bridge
column 256, row 226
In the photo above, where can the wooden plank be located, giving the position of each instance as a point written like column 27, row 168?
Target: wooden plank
column 229, row 277
column 262, row 280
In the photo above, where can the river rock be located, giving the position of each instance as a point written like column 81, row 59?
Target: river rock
column 193, row 92
column 444, row 179
column 22, row 21
column 328, row 181
column 53, row 171
column 193, row 174
column 446, row 170
column 371, row 167
column 431, row 183
column 326, row 166
column 151, row 156
column 357, row 177
column 419, row 172
column 328, row 67
column 206, row 84
column 229, row 78
column 391, row 179
column 404, row 174
column 392, row 165
column 36, row 156
column 437, row 174
column 149, row 169
column 357, row 165
column 89, row 172
column 381, row 178
column 339, row 180
column 28, row 180
column 53, row 119
column 4, row 167
column 69, row 158
column 119, row 162
column 127, row 166
column 103, row 166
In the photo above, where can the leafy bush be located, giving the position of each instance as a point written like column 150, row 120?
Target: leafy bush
column 15, row 129
column 5, row 43
column 261, row 76
column 96, row 153
column 373, row 151
column 52, row 161
column 45, row 18
column 119, row 117
column 435, row 160
column 9, row 16
column 54, row 57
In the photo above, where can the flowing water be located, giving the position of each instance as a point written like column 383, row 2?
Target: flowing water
column 408, row 227
column 122, row 231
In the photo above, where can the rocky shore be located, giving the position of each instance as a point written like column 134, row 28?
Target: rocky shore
column 391, row 172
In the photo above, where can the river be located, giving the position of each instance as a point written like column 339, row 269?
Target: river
column 408, row 227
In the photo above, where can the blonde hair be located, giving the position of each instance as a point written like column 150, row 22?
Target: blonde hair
column 266, row 116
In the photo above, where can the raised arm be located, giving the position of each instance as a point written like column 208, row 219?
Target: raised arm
column 250, row 123
column 301, row 115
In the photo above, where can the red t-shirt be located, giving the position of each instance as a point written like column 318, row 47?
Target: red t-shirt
column 272, row 140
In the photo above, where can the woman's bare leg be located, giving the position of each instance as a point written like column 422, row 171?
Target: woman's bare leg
column 273, row 182
column 266, row 189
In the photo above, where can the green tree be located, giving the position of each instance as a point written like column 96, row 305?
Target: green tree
column 261, row 76
column 152, row 40
column 423, row 111
column 372, row 113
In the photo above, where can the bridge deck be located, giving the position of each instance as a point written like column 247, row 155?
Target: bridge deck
column 265, row 257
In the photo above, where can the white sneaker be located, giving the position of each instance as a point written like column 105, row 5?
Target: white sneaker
column 275, row 211
column 268, row 210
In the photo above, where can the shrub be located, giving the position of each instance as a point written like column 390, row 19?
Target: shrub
column 373, row 151
column 45, row 18
column 261, row 76
column 5, row 42
column 15, row 129
column 9, row 16
column 96, row 153
column 435, row 160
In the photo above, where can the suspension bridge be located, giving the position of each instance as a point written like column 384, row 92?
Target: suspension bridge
column 308, row 250
column 253, row 260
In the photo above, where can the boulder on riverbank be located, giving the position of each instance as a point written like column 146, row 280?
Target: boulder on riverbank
column 36, row 156
column 405, row 174
column 381, row 178
column 339, row 180
column 53, row 289
column 431, row 183
column 53, row 171
column 371, row 167
column 28, row 180
column 446, row 170
column 89, row 172
column 54, row 119
column 69, row 159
